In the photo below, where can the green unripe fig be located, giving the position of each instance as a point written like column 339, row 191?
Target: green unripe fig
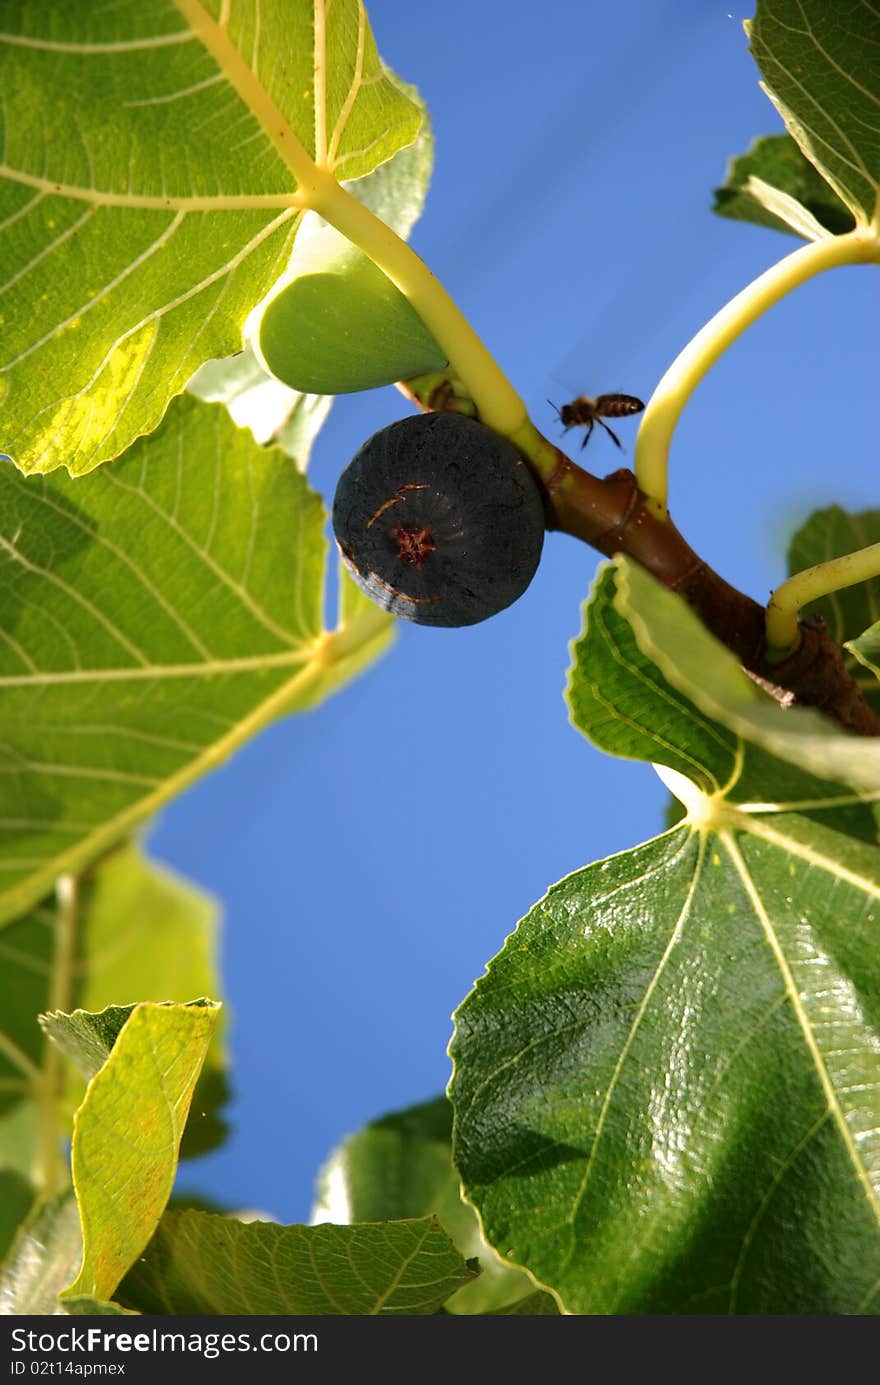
column 338, row 324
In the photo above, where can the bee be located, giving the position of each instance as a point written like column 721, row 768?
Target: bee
column 586, row 413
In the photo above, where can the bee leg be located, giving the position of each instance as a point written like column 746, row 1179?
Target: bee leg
column 612, row 435
column 589, row 430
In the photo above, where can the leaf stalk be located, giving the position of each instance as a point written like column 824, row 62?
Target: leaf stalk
column 498, row 404
column 786, row 603
column 669, row 399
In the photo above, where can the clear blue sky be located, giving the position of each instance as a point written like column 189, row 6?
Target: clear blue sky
column 373, row 855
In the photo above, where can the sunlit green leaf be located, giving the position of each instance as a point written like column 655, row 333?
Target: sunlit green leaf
column 397, row 189
column 199, row 1263
column 126, row 1136
column 136, row 928
column 154, row 620
column 819, row 62
column 775, row 165
column 134, row 249
column 87, row 1039
column 395, row 192
column 146, row 934
column 401, row 1166
column 666, row 1087
column 334, row 323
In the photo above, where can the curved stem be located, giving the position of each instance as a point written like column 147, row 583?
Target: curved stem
column 696, row 360
column 788, row 599
column 49, row 1174
column 213, row 36
column 498, row 404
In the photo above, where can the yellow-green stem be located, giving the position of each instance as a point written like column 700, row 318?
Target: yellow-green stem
column 498, row 403
column 789, row 599
column 49, row 1173
column 696, row 360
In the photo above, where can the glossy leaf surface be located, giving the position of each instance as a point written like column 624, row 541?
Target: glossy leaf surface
column 666, row 1087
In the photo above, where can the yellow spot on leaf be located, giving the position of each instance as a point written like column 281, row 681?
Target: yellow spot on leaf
column 83, row 421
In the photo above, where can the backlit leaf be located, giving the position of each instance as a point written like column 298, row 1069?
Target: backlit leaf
column 135, row 928
column 146, row 194
column 819, row 62
column 775, row 165
column 395, row 192
column 153, row 620
column 126, row 1136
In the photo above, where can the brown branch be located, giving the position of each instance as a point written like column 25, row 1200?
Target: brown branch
column 612, row 515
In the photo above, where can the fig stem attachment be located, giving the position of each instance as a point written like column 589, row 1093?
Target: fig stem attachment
column 783, row 635
column 437, row 392
column 690, row 366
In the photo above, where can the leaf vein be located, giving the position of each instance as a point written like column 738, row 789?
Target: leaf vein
column 806, row 1028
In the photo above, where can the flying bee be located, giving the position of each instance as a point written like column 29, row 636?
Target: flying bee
column 586, row 413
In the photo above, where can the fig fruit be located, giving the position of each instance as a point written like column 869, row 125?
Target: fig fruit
column 339, row 325
column 439, row 520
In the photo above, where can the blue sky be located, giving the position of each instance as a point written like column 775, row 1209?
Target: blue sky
column 372, row 856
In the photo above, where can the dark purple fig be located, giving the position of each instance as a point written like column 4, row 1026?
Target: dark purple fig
column 439, row 520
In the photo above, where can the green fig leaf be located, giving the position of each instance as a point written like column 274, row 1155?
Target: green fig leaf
column 401, row 1166
column 155, row 619
column 148, row 194
column 201, row 1263
column 127, row 1132
column 820, row 70
column 666, row 1090
column 774, row 184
